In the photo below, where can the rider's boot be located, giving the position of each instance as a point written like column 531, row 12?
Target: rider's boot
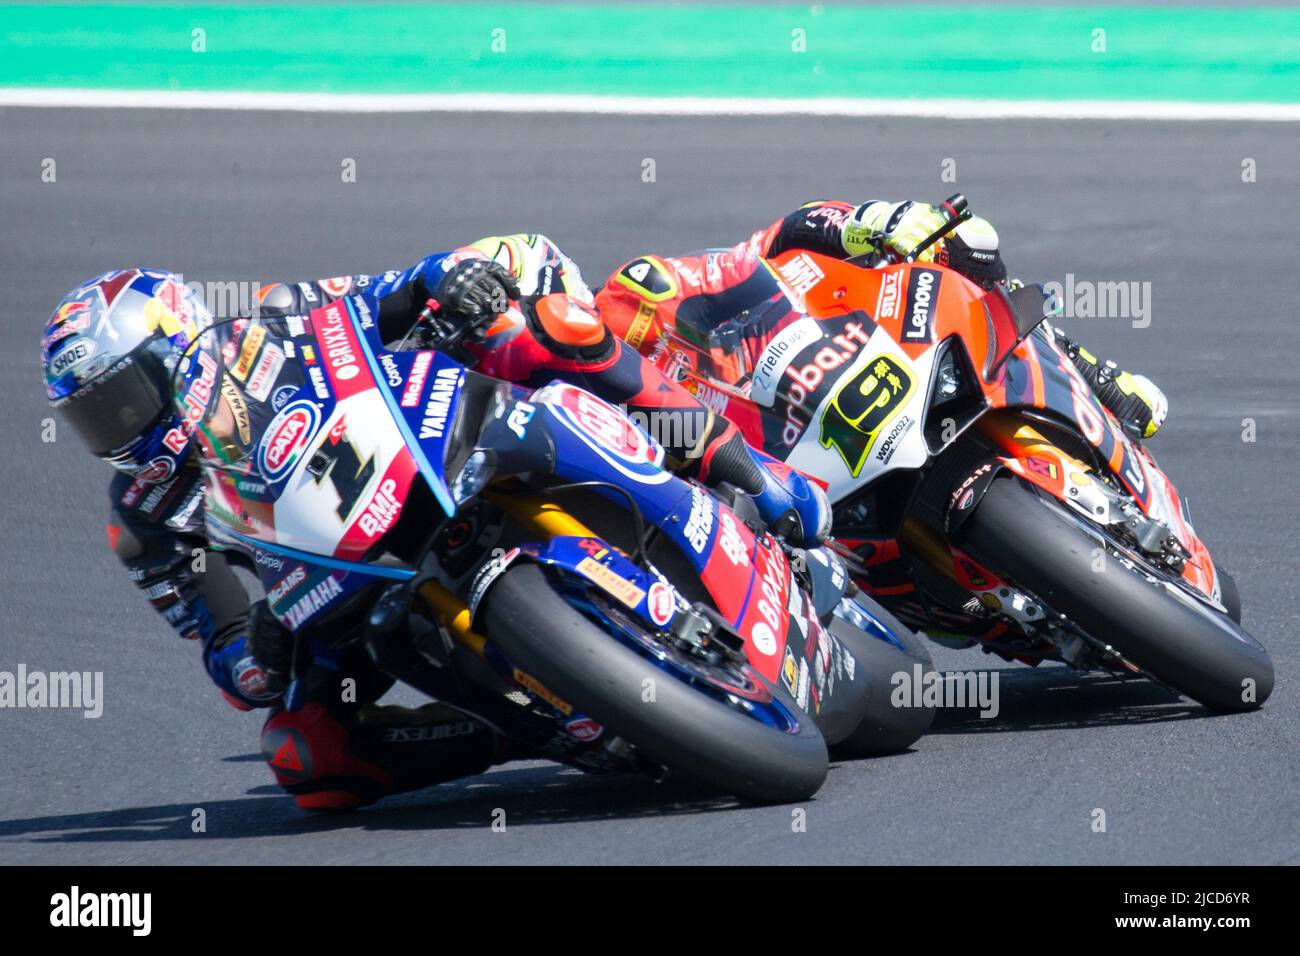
column 791, row 505
column 1135, row 400
column 341, row 761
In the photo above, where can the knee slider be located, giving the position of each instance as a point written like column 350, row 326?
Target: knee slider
column 122, row 541
column 309, row 752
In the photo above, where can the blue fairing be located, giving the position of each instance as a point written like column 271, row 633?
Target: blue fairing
column 538, row 435
column 426, row 422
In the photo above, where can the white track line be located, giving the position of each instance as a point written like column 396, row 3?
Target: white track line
column 647, row 105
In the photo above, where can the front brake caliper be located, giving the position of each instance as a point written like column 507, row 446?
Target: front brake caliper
column 703, row 630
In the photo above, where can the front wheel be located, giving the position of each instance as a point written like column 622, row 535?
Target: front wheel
column 751, row 740
column 1021, row 534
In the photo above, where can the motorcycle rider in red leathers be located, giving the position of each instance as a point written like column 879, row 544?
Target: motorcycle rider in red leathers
column 698, row 295
column 728, row 304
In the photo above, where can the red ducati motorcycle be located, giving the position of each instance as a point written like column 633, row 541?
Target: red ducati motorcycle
column 981, row 491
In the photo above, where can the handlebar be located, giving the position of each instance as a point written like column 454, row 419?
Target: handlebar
column 441, row 331
column 958, row 212
column 430, row 307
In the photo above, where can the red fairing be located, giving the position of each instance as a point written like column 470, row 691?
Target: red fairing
column 381, row 511
column 341, row 352
column 767, row 614
column 749, row 580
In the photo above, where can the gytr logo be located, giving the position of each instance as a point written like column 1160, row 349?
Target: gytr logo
column 103, row 909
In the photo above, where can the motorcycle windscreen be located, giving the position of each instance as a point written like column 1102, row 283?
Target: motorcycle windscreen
column 1011, row 317
column 210, row 391
column 298, row 447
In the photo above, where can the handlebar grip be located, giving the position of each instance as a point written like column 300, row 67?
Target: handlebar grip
column 955, row 205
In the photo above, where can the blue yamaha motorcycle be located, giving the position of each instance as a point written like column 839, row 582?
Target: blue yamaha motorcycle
column 523, row 556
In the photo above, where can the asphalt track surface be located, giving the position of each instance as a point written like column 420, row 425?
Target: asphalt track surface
column 258, row 196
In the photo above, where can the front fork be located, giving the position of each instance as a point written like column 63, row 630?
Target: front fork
column 543, row 518
column 1028, row 454
column 1031, row 456
column 462, row 674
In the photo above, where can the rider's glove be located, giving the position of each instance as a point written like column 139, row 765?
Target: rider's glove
column 878, row 225
column 233, row 669
column 476, row 288
column 252, row 666
column 971, row 248
column 271, row 645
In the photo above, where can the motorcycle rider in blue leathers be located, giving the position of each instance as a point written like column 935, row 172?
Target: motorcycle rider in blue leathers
column 109, row 350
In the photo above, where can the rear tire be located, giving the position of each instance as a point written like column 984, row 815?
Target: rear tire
column 1016, row 532
column 885, row 729
column 683, row 729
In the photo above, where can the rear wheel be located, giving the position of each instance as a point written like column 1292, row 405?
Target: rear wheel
column 1037, row 543
column 883, row 648
column 725, row 726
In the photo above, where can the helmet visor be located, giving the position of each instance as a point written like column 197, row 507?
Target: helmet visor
column 120, row 406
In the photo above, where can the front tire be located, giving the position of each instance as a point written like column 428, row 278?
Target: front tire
column 1017, row 532
column 682, row 728
column 1229, row 596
